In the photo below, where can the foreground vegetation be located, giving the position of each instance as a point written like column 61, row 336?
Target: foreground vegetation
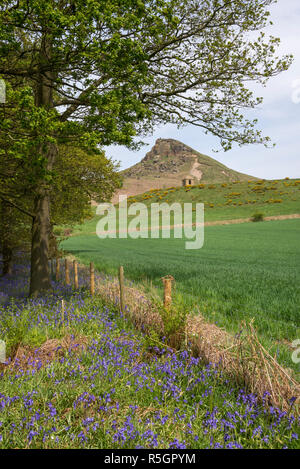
column 243, row 271
column 108, row 389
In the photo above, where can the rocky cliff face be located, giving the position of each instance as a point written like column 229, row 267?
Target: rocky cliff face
column 167, row 156
column 170, row 148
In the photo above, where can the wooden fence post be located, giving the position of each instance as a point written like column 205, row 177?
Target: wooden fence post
column 52, row 267
column 122, row 290
column 75, row 275
column 92, row 279
column 167, row 281
column 57, row 268
column 67, row 274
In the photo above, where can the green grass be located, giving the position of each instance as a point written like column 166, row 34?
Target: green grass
column 243, row 271
column 224, row 201
column 234, row 200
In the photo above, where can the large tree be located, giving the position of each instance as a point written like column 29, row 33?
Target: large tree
column 99, row 72
column 78, row 177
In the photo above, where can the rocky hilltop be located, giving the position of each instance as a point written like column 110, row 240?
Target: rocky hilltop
column 168, row 156
column 168, row 163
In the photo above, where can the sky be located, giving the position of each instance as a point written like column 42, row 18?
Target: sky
column 278, row 116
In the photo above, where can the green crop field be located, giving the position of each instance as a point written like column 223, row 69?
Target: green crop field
column 243, row 271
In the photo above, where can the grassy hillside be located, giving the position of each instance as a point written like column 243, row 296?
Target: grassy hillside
column 224, row 201
column 240, row 199
column 243, row 271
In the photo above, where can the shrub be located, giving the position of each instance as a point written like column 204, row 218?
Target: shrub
column 58, row 230
column 174, row 321
column 257, row 217
column 234, row 194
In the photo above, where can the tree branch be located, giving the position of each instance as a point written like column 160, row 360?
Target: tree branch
column 17, row 207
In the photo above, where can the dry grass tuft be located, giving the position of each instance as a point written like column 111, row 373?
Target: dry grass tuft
column 141, row 310
column 245, row 360
column 28, row 358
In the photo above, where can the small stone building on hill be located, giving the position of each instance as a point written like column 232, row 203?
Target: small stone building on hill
column 188, row 181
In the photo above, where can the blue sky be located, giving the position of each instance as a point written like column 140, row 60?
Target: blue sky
column 279, row 115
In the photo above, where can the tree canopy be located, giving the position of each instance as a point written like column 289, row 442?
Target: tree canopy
column 93, row 73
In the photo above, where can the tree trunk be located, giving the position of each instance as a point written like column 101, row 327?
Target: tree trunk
column 7, row 255
column 39, row 272
column 5, row 238
column 41, row 226
column 40, row 234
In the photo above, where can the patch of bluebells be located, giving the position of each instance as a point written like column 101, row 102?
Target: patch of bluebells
column 113, row 395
